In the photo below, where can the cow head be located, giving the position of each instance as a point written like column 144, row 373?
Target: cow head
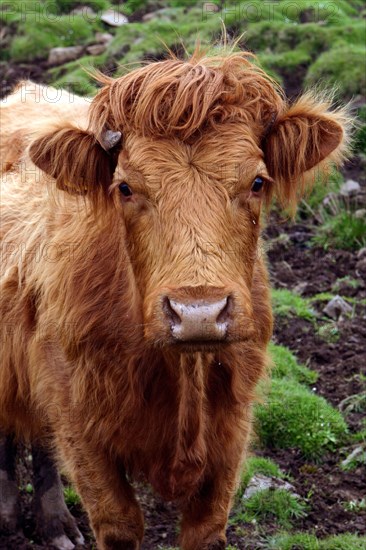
column 205, row 143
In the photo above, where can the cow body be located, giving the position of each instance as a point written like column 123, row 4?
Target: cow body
column 134, row 299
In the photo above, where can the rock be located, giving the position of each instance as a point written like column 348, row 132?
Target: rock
column 351, row 187
column 336, row 307
column 300, row 288
column 103, row 38
column 164, row 14
column 114, row 18
column 58, row 56
column 357, row 452
column 260, row 482
column 96, row 49
column 360, row 213
column 361, row 254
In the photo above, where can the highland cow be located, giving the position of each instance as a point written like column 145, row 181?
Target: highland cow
column 135, row 284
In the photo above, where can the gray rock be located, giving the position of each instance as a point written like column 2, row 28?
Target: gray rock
column 358, row 451
column 103, row 37
column 336, row 307
column 260, row 482
column 114, row 18
column 360, row 213
column 58, row 56
column 96, row 49
column 164, row 14
column 351, row 187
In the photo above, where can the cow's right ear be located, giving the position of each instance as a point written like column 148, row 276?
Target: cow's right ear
column 79, row 163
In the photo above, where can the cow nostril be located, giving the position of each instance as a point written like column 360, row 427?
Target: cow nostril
column 225, row 313
column 170, row 313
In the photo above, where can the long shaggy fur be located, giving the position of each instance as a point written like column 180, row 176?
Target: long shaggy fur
column 87, row 358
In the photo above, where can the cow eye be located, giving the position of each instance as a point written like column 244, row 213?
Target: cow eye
column 257, row 184
column 125, row 189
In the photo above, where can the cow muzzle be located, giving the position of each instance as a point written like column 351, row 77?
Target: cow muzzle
column 198, row 319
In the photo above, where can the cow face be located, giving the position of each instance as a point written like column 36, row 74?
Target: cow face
column 192, row 215
column 202, row 148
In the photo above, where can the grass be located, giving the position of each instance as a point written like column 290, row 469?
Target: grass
column 311, row 203
column 343, row 67
column 34, row 40
column 297, row 418
column 306, row 541
column 341, row 230
column 287, row 366
column 271, row 505
column 71, row 497
column 287, row 304
column 355, row 505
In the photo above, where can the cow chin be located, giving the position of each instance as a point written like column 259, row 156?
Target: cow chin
column 192, row 319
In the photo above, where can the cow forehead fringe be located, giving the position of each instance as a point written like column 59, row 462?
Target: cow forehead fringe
column 181, row 97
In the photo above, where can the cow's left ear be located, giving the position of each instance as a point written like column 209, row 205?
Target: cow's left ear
column 307, row 137
column 78, row 162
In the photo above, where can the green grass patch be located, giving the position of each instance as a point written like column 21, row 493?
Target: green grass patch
column 343, row 67
column 287, row 304
column 271, row 505
column 294, row 417
column 34, row 40
column 287, row 366
column 341, row 230
column 306, row 541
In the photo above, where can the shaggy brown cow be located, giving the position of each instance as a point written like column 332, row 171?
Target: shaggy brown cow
column 138, row 293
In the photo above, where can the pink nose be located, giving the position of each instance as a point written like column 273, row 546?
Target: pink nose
column 201, row 319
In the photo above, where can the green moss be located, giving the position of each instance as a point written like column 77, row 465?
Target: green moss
column 343, row 67
column 286, row 366
column 277, row 505
column 296, row 417
column 35, row 40
column 341, row 230
column 257, row 465
column 287, row 304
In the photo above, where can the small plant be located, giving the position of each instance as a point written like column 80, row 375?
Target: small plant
column 297, row 418
column 286, row 366
column 355, row 505
column 272, row 505
column 341, row 229
column 287, row 304
column 329, row 332
column 71, row 497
